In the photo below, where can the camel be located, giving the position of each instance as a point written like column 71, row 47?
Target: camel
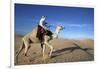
column 32, row 37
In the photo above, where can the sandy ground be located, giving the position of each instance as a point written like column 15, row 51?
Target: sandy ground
column 65, row 51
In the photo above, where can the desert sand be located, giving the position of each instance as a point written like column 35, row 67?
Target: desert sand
column 65, row 50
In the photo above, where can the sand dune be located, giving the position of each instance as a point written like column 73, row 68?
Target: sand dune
column 66, row 50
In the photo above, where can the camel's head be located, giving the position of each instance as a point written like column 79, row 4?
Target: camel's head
column 60, row 27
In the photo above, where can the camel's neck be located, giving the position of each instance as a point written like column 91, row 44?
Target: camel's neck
column 57, row 31
column 55, row 35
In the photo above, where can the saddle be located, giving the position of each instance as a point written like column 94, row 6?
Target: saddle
column 41, row 32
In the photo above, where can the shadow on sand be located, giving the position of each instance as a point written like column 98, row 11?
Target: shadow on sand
column 71, row 49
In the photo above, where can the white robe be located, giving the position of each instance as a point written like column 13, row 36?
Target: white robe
column 42, row 23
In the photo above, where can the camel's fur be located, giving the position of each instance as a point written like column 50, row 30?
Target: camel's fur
column 32, row 37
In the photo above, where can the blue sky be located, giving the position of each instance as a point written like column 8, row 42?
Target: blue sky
column 78, row 21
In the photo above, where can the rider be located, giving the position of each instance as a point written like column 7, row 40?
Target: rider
column 42, row 23
column 42, row 28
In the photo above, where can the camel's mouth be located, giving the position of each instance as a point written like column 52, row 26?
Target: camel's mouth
column 63, row 27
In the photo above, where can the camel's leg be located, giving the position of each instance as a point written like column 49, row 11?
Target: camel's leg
column 21, row 48
column 47, row 43
column 43, row 50
column 51, row 48
column 42, row 45
column 26, row 47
